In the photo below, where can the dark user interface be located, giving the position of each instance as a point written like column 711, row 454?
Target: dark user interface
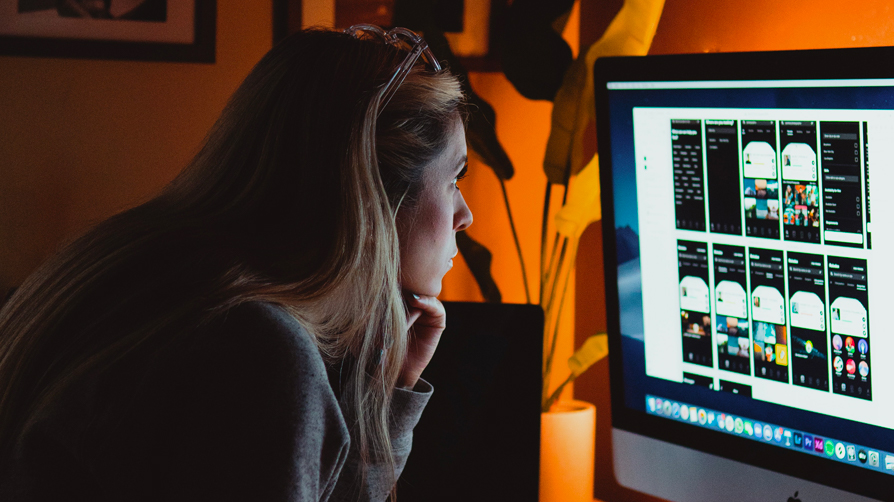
column 807, row 315
column 800, row 181
column 722, row 156
column 768, row 314
column 842, row 197
column 689, row 182
column 739, row 389
column 866, row 174
column 695, row 306
column 698, row 380
column 849, row 321
column 731, row 307
column 760, row 178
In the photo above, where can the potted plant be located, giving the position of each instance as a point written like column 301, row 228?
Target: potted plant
column 568, row 427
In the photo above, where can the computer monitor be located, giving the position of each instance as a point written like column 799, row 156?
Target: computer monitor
column 479, row 437
column 748, row 283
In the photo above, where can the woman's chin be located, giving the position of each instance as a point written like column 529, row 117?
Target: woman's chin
column 435, row 291
column 435, row 288
column 432, row 289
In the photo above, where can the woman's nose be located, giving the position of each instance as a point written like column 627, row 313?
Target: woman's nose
column 463, row 217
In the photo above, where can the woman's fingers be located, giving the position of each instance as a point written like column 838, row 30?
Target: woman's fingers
column 412, row 316
column 426, row 311
column 426, row 320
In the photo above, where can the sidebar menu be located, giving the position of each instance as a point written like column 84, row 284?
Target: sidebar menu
column 842, row 189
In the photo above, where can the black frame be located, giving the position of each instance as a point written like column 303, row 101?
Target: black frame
column 202, row 50
column 286, row 14
column 287, row 20
column 771, row 65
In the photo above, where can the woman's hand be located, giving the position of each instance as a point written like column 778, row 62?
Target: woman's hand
column 426, row 320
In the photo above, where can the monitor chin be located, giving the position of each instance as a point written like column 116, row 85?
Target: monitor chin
column 655, row 467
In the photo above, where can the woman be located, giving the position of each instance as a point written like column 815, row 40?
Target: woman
column 257, row 331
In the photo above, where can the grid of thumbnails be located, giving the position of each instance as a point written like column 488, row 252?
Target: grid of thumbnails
column 799, row 318
column 784, row 190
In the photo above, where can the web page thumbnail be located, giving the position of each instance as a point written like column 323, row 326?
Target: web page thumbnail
column 849, row 323
column 689, row 182
column 724, row 184
column 760, row 179
column 800, row 181
column 731, row 306
column 807, row 316
column 695, row 303
column 768, row 314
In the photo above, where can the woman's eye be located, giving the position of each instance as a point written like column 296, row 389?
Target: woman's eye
column 462, row 174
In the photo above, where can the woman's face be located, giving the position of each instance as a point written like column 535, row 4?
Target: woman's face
column 427, row 230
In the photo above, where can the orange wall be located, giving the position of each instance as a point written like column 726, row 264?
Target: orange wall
column 81, row 140
column 761, row 25
column 689, row 26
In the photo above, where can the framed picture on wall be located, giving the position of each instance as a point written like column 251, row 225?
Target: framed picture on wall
column 147, row 30
column 469, row 26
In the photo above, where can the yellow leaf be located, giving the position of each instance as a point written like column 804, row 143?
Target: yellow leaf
column 583, row 205
column 629, row 34
column 594, row 349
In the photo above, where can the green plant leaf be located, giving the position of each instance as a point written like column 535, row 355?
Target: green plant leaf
column 594, row 349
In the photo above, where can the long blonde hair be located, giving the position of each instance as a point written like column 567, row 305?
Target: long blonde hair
column 291, row 200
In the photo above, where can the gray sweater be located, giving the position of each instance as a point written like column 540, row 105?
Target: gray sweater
column 245, row 411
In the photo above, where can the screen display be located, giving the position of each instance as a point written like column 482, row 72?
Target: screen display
column 751, row 287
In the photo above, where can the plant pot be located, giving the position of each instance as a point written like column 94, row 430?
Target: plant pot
column 567, row 448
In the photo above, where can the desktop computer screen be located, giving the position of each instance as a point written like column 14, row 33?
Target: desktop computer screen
column 749, row 264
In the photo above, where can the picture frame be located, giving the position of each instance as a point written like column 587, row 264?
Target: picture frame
column 137, row 30
column 472, row 26
column 286, row 18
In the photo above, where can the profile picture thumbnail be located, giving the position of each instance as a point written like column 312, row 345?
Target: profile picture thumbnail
column 837, row 342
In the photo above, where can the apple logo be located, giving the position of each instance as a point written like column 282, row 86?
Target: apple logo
column 794, row 498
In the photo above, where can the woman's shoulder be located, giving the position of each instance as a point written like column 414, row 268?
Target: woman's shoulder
column 263, row 337
column 262, row 323
column 254, row 356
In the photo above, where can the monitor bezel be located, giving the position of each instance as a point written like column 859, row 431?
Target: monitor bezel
column 852, row 63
